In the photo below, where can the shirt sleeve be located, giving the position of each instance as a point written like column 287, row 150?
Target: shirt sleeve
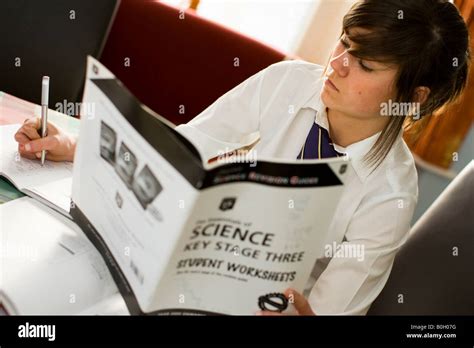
column 361, row 265
column 233, row 120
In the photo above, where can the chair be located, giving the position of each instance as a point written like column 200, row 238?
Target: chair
column 178, row 63
column 433, row 273
column 51, row 37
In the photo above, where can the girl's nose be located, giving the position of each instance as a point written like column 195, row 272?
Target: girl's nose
column 340, row 63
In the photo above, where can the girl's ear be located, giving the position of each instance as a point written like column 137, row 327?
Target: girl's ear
column 421, row 94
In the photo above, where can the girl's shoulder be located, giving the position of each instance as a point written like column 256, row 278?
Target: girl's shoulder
column 397, row 172
column 296, row 68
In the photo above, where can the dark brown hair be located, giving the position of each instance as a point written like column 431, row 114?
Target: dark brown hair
column 429, row 43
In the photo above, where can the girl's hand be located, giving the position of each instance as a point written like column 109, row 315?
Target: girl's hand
column 299, row 302
column 60, row 145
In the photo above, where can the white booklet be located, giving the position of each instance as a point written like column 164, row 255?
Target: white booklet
column 51, row 183
column 48, row 266
column 181, row 236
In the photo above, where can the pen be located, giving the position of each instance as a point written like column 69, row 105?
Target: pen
column 44, row 112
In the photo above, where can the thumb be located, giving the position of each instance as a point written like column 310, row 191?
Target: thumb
column 299, row 301
column 37, row 145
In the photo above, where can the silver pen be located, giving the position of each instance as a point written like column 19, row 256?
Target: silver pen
column 44, row 112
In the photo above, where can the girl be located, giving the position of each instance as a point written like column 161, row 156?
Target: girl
column 396, row 61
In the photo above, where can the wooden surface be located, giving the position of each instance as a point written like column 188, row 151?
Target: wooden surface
column 442, row 135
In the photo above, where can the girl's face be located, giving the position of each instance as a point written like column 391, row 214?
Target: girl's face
column 357, row 87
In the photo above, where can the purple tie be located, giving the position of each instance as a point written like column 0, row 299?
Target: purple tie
column 315, row 148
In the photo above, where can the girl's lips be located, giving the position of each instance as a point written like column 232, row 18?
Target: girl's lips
column 330, row 84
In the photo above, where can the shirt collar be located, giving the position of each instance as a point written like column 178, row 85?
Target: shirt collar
column 356, row 151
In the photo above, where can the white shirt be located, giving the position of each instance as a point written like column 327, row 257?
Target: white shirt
column 279, row 105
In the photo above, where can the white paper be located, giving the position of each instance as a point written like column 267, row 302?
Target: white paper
column 47, row 265
column 52, row 181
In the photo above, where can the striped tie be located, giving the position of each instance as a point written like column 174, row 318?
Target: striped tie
column 318, row 144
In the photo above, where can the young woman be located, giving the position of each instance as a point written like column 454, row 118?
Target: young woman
column 412, row 54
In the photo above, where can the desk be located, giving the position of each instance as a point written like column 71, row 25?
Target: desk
column 15, row 111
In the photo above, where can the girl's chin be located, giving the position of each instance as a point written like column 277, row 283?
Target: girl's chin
column 327, row 98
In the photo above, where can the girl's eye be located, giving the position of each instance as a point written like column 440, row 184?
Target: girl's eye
column 365, row 68
column 344, row 44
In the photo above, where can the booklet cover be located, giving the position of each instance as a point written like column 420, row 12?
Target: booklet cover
column 182, row 236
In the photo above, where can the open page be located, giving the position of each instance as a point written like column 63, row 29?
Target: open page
column 47, row 265
column 50, row 183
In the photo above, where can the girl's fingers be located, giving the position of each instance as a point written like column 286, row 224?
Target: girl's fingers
column 38, row 145
column 34, row 122
column 29, row 131
column 299, row 301
column 28, row 155
column 21, row 138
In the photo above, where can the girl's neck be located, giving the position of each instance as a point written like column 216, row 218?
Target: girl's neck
column 346, row 130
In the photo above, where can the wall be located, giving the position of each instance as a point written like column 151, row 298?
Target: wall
column 430, row 184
